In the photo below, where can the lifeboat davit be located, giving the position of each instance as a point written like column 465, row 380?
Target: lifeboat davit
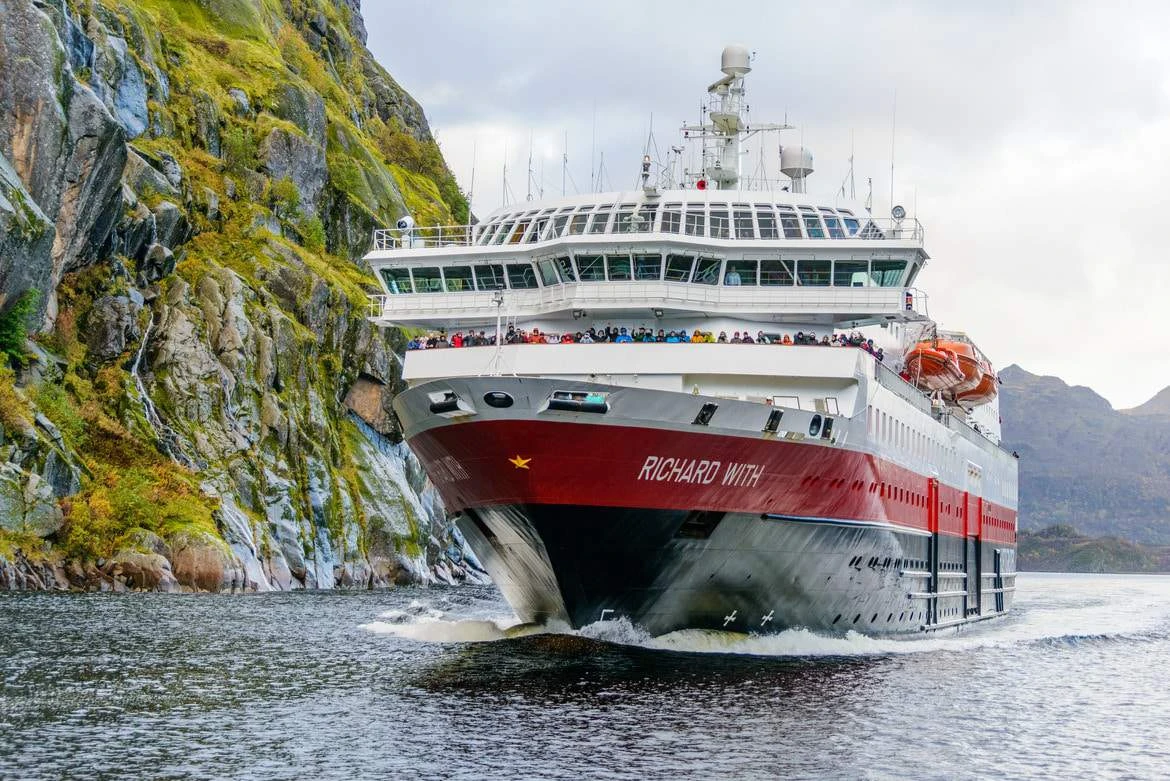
column 931, row 368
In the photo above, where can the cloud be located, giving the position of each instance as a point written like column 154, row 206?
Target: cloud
column 1031, row 137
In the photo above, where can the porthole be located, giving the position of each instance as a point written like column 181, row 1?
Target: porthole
column 814, row 426
column 497, row 399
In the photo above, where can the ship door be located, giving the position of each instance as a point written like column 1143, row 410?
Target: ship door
column 998, row 580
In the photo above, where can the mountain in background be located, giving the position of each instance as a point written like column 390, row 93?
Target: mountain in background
column 1084, row 464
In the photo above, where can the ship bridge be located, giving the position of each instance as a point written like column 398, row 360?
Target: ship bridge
column 767, row 257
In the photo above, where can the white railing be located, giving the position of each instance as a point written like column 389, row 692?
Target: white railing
column 650, row 295
column 714, row 229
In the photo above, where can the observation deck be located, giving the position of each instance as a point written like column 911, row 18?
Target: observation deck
column 765, row 257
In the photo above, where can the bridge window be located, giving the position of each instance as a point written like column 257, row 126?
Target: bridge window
column 678, row 267
column 489, row 277
column 428, row 280
column 744, row 227
column 672, row 218
column 591, row 268
column 625, row 215
column 648, row 267
column 486, row 232
column 707, row 271
column 559, row 223
column 521, row 276
column 766, row 219
column 577, row 224
column 696, row 220
column 833, row 224
column 851, row 224
column 458, row 279
column 600, row 218
column 812, row 223
column 618, row 267
column 548, row 272
column 851, row 273
column 505, row 228
column 776, row 272
column 719, row 226
column 397, row 279
column 518, row 234
column 814, row 273
column 790, row 223
column 565, row 266
column 538, row 228
column 741, row 272
column 887, row 273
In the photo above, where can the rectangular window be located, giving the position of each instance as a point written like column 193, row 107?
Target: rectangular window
column 518, row 234
column 591, row 268
column 707, row 271
column 486, row 233
column 814, row 273
column 790, row 223
column 559, row 223
column 740, row 272
column 851, row 224
column 850, row 273
column 428, row 280
column 766, row 218
column 502, row 234
column 625, row 219
column 458, row 279
column 719, row 227
column 600, row 218
column 775, row 273
column 565, row 266
column 812, row 224
column 678, row 268
column 887, row 273
column 577, row 224
column 490, row 277
column 648, row 213
column 548, row 272
column 618, row 267
column 833, row 224
column 744, row 227
column 672, row 218
column 397, row 279
column 696, row 221
column 538, row 228
column 521, row 276
column 648, row 267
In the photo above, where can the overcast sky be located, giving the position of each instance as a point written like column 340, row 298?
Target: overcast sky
column 1033, row 138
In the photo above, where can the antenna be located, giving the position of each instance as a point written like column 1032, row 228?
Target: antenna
column 593, row 150
column 893, row 135
column 471, row 189
column 529, row 196
column 504, row 189
column 564, row 162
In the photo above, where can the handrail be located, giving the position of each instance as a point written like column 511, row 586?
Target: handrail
column 542, row 230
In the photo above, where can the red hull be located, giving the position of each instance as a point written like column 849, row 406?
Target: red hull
column 511, row 462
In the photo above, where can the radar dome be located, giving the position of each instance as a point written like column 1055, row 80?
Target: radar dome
column 796, row 161
column 736, row 60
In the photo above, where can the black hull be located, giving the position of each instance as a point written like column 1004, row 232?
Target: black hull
column 667, row 570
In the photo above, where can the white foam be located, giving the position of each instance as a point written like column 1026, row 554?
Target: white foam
column 1053, row 609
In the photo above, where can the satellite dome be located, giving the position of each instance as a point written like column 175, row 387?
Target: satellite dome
column 736, row 60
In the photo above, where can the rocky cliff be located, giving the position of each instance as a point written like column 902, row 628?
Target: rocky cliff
column 193, row 397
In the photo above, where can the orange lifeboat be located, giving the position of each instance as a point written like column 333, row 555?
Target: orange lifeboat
column 970, row 364
column 982, row 393
column 931, row 368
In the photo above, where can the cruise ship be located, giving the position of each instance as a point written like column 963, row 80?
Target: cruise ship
column 609, row 452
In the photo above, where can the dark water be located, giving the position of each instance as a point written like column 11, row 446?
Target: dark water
column 1075, row 684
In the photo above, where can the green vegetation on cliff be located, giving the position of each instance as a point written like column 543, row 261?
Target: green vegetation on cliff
column 189, row 397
